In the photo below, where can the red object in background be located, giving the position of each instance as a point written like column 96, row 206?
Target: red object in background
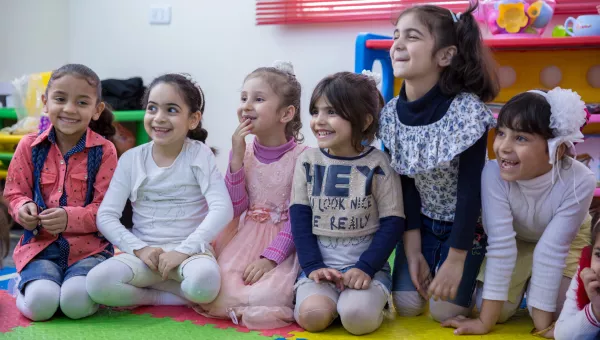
column 283, row 12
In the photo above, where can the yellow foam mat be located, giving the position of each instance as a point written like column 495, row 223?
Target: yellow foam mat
column 423, row 327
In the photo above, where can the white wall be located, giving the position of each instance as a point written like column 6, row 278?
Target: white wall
column 216, row 41
column 34, row 36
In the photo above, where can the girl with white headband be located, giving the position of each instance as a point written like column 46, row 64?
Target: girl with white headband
column 180, row 204
column 535, row 200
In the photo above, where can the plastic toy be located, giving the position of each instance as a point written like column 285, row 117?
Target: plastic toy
column 518, row 17
column 512, row 17
column 541, row 13
column 559, row 31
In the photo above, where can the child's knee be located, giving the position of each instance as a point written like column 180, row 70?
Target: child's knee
column 408, row 303
column 202, row 280
column 358, row 320
column 101, row 280
column 441, row 311
column 75, row 302
column 41, row 300
column 316, row 313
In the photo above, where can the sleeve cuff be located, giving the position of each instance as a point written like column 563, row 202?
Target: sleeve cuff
column 235, row 177
column 274, row 255
column 589, row 313
column 130, row 248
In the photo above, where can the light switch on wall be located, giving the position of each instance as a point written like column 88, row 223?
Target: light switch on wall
column 160, row 15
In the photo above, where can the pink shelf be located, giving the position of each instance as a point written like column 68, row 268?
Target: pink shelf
column 517, row 44
column 597, row 192
column 595, row 119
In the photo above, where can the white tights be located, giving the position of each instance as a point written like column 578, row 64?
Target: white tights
column 131, row 283
column 41, row 299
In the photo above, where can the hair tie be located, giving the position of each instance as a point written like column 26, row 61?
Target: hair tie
column 455, row 17
column 376, row 77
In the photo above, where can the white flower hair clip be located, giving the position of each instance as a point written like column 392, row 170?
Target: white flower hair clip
column 193, row 81
column 285, row 66
column 567, row 117
column 373, row 75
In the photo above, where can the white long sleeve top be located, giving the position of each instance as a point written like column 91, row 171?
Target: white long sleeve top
column 181, row 207
column 539, row 210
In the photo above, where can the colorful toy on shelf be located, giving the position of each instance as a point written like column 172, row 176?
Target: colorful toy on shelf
column 584, row 25
column 559, row 31
column 514, row 18
column 27, row 95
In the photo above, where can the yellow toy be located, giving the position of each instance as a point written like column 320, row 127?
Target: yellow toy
column 512, row 17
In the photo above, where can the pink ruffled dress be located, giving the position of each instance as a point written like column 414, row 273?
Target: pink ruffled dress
column 262, row 230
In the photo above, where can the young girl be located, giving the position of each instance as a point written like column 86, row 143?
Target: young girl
column 580, row 315
column 180, row 203
column 436, row 134
column 259, row 264
column 535, row 200
column 55, row 184
column 346, row 210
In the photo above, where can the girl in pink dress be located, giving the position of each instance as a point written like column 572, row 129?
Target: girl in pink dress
column 256, row 253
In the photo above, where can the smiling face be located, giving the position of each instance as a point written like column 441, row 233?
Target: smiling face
column 521, row 156
column 71, row 103
column 332, row 131
column 168, row 118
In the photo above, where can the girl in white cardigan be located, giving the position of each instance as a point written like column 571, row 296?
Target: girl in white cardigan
column 180, row 203
column 535, row 201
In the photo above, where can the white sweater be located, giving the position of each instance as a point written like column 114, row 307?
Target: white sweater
column 574, row 323
column 534, row 211
column 181, row 207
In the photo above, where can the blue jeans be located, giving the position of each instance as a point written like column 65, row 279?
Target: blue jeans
column 45, row 267
column 434, row 245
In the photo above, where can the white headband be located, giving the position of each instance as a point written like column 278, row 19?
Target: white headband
column 196, row 85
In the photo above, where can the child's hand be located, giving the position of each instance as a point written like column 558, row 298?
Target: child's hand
column 168, row 261
column 356, row 279
column 149, row 255
column 465, row 325
column 54, row 220
column 445, row 284
column 328, row 274
column 592, row 285
column 420, row 273
column 257, row 269
column 238, row 144
column 28, row 216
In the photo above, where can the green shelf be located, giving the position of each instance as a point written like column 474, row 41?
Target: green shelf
column 136, row 116
column 120, row 116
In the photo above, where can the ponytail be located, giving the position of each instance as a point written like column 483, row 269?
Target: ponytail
column 472, row 68
column 104, row 125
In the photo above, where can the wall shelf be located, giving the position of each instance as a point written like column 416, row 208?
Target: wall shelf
column 512, row 44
